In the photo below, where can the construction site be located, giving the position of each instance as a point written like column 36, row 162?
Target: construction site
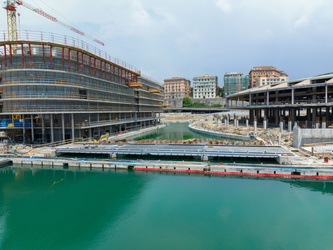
column 57, row 90
column 55, row 87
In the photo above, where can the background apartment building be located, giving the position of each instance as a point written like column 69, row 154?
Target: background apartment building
column 234, row 83
column 266, row 75
column 177, row 88
column 205, row 86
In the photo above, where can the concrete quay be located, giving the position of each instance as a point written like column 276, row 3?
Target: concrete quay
column 199, row 151
column 271, row 171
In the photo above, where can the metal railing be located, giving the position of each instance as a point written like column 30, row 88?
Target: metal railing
column 35, row 36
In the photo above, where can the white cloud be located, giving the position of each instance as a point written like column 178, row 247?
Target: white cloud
column 303, row 20
column 164, row 37
column 224, row 5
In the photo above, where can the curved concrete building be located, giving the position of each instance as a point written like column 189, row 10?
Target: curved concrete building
column 57, row 88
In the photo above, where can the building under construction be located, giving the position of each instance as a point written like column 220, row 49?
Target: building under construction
column 55, row 87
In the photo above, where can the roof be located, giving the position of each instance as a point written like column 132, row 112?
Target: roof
column 296, row 83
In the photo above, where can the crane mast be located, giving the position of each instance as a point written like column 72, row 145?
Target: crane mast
column 10, row 6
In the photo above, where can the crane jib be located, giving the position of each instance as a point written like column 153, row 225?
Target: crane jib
column 12, row 8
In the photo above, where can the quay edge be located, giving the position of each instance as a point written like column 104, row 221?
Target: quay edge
column 270, row 171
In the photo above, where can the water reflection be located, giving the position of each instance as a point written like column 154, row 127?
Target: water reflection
column 323, row 186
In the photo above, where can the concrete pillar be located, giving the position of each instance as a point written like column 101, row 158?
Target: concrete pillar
column 314, row 116
column 52, row 128
column 73, row 127
column 204, row 158
column 255, row 124
column 226, row 122
column 43, row 129
column 265, row 123
column 292, row 96
column 290, row 124
column 63, row 126
column 276, row 115
column 314, row 96
column 32, row 129
column 281, row 123
column 293, row 115
column 317, row 122
column 24, row 130
column 250, row 100
column 308, row 117
column 251, row 115
column 323, row 124
column 267, row 98
column 326, row 93
column 247, row 122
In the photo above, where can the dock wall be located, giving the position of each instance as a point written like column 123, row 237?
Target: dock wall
column 302, row 136
column 134, row 134
column 220, row 134
column 272, row 171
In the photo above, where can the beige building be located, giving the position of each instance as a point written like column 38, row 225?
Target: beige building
column 266, row 75
column 177, row 88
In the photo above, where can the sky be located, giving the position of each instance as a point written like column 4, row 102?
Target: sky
column 188, row 38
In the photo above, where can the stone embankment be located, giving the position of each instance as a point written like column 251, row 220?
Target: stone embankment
column 269, row 136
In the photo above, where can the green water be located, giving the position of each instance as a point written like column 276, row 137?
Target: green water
column 66, row 209
column 176, row 131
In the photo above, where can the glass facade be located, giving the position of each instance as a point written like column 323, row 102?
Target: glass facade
column 234, row 83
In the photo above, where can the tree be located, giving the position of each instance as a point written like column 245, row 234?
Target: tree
column 220, row 91
column 187, row 102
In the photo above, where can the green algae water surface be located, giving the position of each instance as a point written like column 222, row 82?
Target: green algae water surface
column 176, row 131
column 82, row 209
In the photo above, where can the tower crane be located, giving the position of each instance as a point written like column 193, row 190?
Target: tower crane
column 11, row 5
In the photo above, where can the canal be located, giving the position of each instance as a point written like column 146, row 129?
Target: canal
column 83, row 209
column 176, row 131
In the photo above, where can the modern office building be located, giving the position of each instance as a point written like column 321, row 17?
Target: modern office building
column 55, row 88
column 235, row 82
column 177, row 88
column 205, row 86
column 265, row 75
